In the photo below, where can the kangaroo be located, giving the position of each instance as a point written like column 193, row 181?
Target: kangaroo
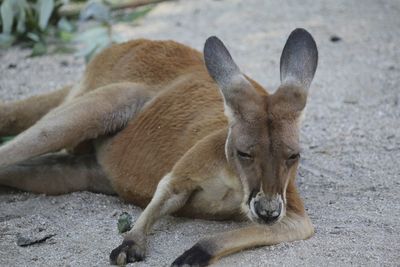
column 173, row 131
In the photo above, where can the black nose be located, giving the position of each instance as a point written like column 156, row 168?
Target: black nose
column 268, row 214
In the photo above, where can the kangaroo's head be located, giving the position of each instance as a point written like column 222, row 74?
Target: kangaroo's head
column 262, row 145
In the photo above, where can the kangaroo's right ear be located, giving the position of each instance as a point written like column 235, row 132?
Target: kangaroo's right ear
column 299, row 59
column 219, row 63
column 238, row 93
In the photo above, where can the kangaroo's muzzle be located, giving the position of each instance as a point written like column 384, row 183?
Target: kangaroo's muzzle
column 265, row 209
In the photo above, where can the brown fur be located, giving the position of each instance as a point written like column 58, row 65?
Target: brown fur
column 155, row 120
column 20, row 115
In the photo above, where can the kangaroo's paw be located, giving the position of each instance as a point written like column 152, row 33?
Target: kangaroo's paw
column 128, row 251
column 195, row 256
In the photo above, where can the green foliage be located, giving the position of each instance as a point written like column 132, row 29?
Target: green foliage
column 45, row 9
column 37, row 24
column 102, row 35
column 28, row 22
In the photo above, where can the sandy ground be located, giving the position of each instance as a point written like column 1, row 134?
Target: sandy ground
column 349, row 174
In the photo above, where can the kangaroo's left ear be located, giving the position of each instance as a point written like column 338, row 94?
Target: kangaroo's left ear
column 299, row 59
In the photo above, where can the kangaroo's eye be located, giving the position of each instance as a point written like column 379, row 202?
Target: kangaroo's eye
column 294, row 157
column 244, row 155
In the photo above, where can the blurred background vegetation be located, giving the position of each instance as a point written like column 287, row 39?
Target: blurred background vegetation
column 56, row 26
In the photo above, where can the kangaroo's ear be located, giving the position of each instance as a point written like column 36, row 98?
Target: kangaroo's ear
column 219, row 62
column 299, row 59
column 239, row 95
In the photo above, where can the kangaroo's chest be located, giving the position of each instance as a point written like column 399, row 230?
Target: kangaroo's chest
column 137, row 157
column 218, row 197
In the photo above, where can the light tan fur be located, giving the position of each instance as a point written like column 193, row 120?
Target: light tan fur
column 148, row 123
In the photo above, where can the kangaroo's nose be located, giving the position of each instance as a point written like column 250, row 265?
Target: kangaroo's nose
column 268, row 210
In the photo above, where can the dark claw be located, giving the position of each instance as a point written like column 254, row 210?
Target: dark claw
column 196, row 256
column 125, row 253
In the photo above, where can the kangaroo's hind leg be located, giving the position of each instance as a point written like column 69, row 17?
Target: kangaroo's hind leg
column 103, row 111
column 56, row 174
column 17, row 116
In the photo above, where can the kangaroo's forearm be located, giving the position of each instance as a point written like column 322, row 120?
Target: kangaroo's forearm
column 292, row 227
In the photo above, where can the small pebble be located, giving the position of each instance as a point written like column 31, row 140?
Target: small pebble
column 335, row 39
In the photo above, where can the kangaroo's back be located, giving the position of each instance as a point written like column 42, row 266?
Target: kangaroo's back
column 142, row 61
